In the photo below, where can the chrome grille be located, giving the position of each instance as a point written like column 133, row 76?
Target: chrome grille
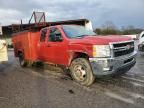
column 122, row 48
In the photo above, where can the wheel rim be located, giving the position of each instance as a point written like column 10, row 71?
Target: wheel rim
column 21, row 60
column 80, row 72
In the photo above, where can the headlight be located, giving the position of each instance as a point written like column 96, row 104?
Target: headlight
column 101, row 51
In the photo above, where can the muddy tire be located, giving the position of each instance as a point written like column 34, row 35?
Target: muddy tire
column 22, row 62
column 81, row 71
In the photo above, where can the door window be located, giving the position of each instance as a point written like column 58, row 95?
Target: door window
column 43, row 35
column 55, row 35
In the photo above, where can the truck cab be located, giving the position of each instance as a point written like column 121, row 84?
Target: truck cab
column 78, row 49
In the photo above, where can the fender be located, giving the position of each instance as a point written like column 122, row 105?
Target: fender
column 78, row 50
column 18, row 51
column 77, row 53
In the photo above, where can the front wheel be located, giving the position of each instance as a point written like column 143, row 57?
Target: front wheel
column 81, row 71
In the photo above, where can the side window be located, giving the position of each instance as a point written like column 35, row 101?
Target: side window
column 55, row 35
column 43, row 35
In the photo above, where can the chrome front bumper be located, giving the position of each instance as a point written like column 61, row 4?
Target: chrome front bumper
column 109, row 66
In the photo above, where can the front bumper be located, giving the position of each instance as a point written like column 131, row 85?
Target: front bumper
column 110, row 66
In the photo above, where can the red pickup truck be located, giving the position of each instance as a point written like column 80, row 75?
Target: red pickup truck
column 78, row 49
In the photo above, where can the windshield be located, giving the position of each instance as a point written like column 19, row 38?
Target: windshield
column 75, row 31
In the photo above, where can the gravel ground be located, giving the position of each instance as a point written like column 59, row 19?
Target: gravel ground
column 49, row 87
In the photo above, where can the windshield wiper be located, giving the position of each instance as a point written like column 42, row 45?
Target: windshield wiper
column 80, row 36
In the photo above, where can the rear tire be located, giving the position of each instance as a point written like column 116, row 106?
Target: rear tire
column 81, row 71
column 23, row 63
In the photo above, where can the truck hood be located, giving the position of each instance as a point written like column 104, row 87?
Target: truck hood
column 100, row 40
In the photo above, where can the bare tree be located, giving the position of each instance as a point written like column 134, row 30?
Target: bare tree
column 109, row 25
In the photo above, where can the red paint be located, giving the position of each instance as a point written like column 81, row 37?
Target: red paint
column 61, row 53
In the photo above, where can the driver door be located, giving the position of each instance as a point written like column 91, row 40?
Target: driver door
column 56, row 47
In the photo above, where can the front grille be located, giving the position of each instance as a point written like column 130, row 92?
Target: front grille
column 122, row 48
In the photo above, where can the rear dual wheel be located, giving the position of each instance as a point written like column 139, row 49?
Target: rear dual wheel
column 81, row 71
column 23, row 63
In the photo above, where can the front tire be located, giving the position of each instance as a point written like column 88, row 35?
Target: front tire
column 81, row 71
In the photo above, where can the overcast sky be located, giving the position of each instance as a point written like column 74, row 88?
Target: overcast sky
column 120, row 12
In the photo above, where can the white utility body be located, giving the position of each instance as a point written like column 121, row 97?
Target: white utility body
column 141, row 42
column 3, row 48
